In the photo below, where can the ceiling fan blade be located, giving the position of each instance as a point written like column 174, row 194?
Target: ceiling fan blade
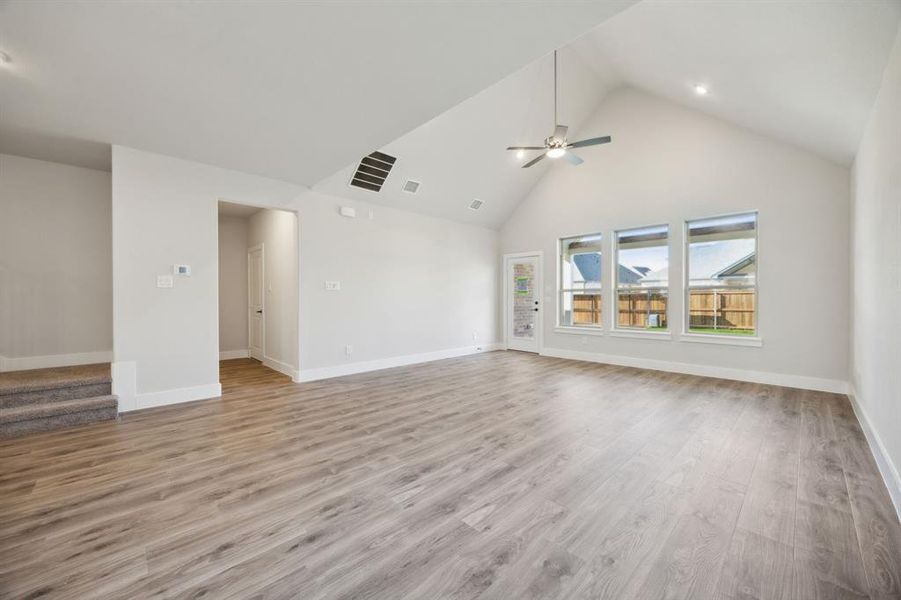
column 560, row 132
column 591, row 142
column 572, row 159
column 525, row 148
column 533, row 161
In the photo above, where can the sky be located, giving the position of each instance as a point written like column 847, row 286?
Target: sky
column 654, row 258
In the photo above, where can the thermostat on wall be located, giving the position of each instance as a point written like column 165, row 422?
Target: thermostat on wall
column 182, row 270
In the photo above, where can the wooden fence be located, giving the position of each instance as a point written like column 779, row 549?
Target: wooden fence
column 727, row 309
column 586, row 309
column 641, row 308
column 722, row 309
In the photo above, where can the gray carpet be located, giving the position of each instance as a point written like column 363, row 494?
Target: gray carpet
column 45, row 399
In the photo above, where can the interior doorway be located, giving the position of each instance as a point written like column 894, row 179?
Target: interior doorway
column 256, row 301
column 258, row 286
column 522, row 301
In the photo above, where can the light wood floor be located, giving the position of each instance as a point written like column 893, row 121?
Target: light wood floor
column 501, row 475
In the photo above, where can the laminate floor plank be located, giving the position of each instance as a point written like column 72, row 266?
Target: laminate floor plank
column 500, row 475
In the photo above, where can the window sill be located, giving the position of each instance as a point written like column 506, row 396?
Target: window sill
column 579, row 330
column 725, row 340
column 642, row 334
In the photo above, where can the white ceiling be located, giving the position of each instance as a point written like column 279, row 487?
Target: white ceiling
column 806, row 72
column 803, row 72
column 460, row 155
column 290, row 90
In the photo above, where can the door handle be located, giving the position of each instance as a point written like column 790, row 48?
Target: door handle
column 259, row 312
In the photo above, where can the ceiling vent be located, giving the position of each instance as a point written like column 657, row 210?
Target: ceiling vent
column 476, row 204
column 372, row 171
column 411, row 187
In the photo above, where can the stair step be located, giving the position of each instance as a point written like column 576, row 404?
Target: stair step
column 15, row 382
column 32, row 418
column 37, row 386
column 52, row 409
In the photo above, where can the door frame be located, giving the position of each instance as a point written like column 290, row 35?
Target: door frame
column 539, row 256
column 262, row 250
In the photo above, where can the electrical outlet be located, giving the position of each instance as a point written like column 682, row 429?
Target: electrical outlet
column 333, row 286
column 348, row 349
column 475, row 335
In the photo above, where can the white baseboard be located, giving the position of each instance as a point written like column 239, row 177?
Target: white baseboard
column 54, row 360
column 888, row 469
column 231, row 354
column 796, row 381
column 281, row 367
column 388, row 363
column 176, row 396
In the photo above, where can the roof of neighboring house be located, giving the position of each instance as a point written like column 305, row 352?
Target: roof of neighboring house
column 589, row 266
column 712, row 260
column 708, row 260
column 738, row 268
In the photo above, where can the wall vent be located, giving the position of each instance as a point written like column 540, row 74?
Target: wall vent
column 372, row 171
column 476, row 204
column 411, row 186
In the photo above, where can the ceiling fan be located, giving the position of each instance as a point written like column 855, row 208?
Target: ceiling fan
column 556, row 145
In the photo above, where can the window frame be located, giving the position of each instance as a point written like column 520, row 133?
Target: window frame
column 719, row 338
column 559, row 326
column 621, row 331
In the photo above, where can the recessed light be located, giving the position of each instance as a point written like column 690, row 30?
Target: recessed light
column 701, row 89
column 520, row 154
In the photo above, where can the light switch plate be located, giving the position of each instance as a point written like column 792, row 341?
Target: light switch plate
column 333, row 286
column 165, row 281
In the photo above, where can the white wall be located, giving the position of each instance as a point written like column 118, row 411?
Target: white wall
column 232, row 283
column 667, row 164
column 409, row 284
column 55, row 264
column 876, row 280
column 277, row 231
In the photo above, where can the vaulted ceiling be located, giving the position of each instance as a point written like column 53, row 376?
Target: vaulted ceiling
column 301, row 91
column 460, row 155
column 803, row 72
column 289, row 90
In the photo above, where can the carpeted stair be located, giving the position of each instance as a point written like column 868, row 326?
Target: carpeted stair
column 45, row 399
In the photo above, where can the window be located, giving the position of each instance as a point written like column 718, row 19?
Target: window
column 722, row 275
column 580, row 281
column 642, row 278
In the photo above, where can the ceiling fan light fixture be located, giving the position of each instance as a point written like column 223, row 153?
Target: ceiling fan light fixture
column 520, row 154
column 555, row 152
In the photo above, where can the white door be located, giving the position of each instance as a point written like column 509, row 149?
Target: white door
column 256, row 318
column 523, row 302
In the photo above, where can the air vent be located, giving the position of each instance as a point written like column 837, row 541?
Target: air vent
column 476, row 204
column 411, row 186
column 372, row 171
